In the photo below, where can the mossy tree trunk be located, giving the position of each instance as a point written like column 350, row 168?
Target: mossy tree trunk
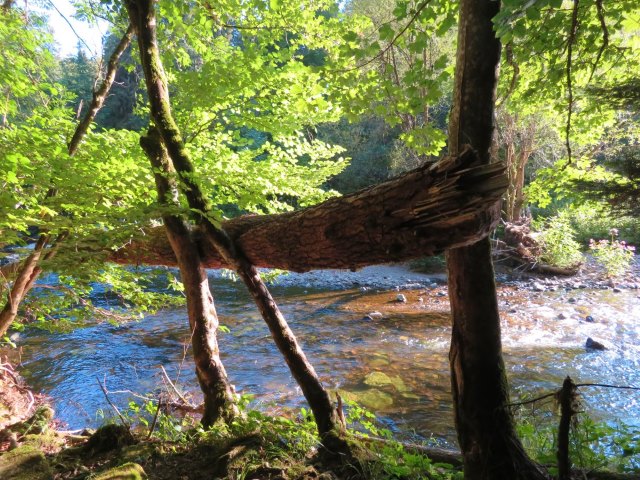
column 219, row 399
column 490, row 447
column 142, row 16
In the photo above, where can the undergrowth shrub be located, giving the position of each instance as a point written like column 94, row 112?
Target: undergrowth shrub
column 392, row 460
column 592, row 445
column 614, row 255
column 594, row 221
column 256, row 441
column 556, row 237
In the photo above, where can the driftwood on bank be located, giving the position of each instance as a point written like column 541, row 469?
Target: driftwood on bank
column 424, row 212
column 522, row 249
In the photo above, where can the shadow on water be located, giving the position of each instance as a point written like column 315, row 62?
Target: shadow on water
column 396, row 365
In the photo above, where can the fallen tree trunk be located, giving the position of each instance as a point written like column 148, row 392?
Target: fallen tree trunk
column 522, row 249
column 424, row 212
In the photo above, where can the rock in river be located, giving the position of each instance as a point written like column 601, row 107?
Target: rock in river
column 594, row 345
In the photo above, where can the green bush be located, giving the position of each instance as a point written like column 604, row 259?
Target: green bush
column 594, row 221
column 556, row 237
column 592, row 445
column 614, row 255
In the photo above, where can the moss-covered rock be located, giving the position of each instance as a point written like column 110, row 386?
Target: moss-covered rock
column 375, row 399
column 381, row 379
column 109, row 437
column 37, row 423
column 137, row 453
column 128, row 471
column 25, row 463
column 47, row 442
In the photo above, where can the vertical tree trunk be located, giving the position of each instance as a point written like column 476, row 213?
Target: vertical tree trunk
column 567, row 411
column 219, row 401
column 484, row 424
column 142, row 15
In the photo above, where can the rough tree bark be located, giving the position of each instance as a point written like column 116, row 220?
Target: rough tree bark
column 219, row 401
column 100, row 95
column 26, row 272
column 517, row 139
column 490, row 447
column 25, row 278
column 142, row 15
column 417, row 214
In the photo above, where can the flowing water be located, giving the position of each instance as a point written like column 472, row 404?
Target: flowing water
column 396, row 365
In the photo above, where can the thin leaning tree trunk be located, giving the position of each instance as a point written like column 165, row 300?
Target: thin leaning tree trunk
column 23, row 281
column 219, row 399
column 29, row 270
column 142, row 14
column 490, row 447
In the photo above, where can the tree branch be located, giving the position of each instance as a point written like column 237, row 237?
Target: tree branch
column 100, row 95
column 571, row 41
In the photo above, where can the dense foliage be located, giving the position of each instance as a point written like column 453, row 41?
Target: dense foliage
column 273, row 98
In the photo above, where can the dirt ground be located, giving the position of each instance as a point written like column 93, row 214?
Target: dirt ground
column 17, row 402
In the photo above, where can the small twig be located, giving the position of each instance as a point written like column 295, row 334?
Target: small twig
column 418, row 11
column 155, row 418
column 533, row 400
column 166, row 377
column 5, row 367
column 64, row 17
column 32, row 400
column 605, row 36
column 106, row 395
column 624, row 387
column 508, row 48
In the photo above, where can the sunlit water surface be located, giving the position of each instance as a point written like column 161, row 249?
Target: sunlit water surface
column 409, row 346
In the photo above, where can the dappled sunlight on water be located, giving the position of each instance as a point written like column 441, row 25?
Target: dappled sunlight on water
column 395, row 364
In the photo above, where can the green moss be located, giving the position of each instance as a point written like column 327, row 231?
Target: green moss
column 25, row 463
column 109, row 437
column 47, row 441
column 137, row 453
column 380, row 379
column 128, row 471
column 37, row 423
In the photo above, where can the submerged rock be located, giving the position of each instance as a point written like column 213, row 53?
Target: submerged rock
column 377, row 379
column 373, row 316
column 591, row 344
column 375, row 399
column 400, row 298
column 380, row 379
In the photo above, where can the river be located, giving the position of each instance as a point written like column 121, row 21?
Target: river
column 395, row 365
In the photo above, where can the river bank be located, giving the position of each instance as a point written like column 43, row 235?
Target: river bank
column 405, row 277
column 369, row 359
